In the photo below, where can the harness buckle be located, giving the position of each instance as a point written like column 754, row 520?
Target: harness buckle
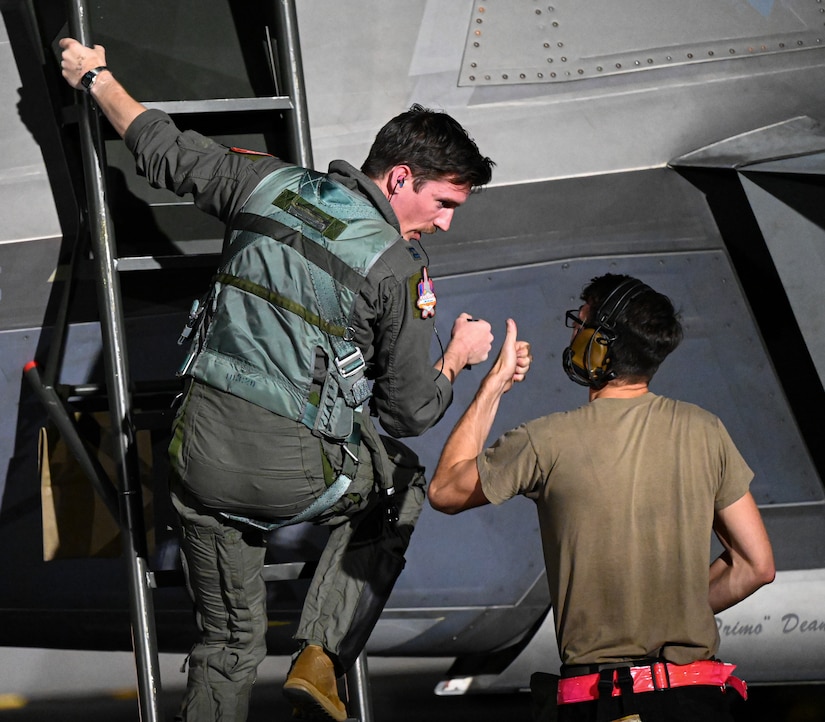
column 349, row 453
column 606, row 682
column 194, row 316
column 351, row 364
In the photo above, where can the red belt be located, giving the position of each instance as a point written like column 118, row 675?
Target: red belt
column 654, row 677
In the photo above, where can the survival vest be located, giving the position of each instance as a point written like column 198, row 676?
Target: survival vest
column 297, row 254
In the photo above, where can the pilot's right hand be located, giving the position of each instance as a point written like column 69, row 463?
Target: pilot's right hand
column 472, row 337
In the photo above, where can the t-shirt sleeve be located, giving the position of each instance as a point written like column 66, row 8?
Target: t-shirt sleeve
column 510, row 467
column 735, row 474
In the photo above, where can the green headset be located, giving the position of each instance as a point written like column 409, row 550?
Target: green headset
column 587, row 360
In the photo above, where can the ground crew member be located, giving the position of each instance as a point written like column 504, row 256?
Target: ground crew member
column 628, row 488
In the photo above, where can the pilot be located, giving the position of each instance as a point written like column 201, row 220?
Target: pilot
column 628, row 489
column 320, row 316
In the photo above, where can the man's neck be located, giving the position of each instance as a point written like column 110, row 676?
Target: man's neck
column 618, row 390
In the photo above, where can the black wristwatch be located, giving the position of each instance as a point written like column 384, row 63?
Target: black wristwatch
column 88, row 79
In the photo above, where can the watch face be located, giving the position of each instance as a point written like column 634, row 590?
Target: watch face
column 89, row 78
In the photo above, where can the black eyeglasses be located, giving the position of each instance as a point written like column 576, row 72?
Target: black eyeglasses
column 571, row 318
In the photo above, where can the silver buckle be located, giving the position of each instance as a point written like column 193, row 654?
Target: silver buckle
column 356, row 358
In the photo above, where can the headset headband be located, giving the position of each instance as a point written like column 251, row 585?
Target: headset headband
column 616, row 302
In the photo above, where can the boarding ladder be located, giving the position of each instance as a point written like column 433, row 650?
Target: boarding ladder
column 124, row 498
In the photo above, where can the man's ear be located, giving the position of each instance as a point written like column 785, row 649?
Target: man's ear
column 399, row 175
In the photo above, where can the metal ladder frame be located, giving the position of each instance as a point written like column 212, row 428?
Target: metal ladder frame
column 125, row 501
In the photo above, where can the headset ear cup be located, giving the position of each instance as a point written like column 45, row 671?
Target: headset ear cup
column 587, row 359
column 590, row 353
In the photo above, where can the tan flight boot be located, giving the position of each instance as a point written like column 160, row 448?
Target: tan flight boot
column 311, row 686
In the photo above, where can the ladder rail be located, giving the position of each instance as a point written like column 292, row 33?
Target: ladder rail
column 132, row 523
column 359, row 691
column 292, row 71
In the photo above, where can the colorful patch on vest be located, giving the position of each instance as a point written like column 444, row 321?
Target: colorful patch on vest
column 422, row 291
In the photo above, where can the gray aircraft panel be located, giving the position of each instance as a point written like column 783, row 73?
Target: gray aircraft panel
column 787, row 211
column 28, row 205
column 809, row 164
column 28, row 270
column 789, row 142
column 571, row 40
column 797, row 247
column 542, row 131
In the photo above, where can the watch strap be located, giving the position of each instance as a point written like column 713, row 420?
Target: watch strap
column 88, row 79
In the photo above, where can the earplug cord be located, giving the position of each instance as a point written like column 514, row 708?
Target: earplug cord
column 435, row 326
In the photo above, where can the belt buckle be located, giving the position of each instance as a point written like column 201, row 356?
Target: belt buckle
column 607, row 682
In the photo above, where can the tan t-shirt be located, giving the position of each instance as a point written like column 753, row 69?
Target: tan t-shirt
column 626, row 491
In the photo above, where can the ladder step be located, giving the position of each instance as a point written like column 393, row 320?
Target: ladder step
column 71, row 113
column 153, row 263
column 287, row 571
column 166, row 578
column 283, row 572
column 222, row 105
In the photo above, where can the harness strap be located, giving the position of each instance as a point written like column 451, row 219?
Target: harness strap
column 604, row 692
column 331, row 495
column 349, row 366
column 277, row 299
column 313, row 252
